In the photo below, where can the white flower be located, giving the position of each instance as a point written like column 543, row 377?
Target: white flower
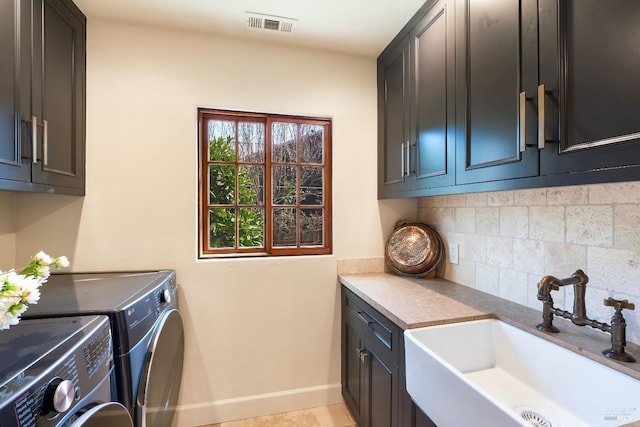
column 30, row 290
column 18, row 290
column 62, row 261
column 43, row 259
column 10, row 284
column 7, row 320
column 43, row 272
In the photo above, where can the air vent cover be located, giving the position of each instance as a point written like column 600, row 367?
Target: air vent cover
column 276, row 24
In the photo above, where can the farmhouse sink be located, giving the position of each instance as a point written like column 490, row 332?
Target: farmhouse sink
column 489, row 373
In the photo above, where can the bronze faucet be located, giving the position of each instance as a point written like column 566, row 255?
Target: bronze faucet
column 579, row 316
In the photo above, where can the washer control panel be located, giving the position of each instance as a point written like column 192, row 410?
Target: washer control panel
column 66, row 359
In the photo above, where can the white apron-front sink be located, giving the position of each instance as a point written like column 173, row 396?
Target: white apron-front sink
column 489, row 373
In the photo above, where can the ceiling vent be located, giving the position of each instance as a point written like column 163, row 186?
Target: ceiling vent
column 276, row 24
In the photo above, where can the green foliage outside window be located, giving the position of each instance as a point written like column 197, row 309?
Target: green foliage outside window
column 222, row 191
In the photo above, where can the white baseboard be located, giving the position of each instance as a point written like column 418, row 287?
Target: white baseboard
column 204, row 413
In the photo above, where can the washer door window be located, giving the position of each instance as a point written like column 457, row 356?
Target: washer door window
column 110, row 414
column 160, row 383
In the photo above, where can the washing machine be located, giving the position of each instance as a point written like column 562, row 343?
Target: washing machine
column 148, row 335
column 58, row 372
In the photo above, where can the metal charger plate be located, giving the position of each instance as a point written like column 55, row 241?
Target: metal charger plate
column 413, row 249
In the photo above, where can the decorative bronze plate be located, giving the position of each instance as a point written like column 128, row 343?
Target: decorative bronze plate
column 414, row 249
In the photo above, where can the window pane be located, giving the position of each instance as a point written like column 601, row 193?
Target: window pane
column 311, row 227
column 222, row 228
column 311, row 185
column 251, row 142
column 222, row 136
column 284, row 185
column 284, row 227
column 283, row 141
column 312, row 144
column 222, row 184
column 251, row 227
column 251, row 185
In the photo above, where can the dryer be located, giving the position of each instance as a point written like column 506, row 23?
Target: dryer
column 58, row 372
column 148, row 335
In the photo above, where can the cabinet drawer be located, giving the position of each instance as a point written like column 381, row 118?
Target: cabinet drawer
column 384, row 335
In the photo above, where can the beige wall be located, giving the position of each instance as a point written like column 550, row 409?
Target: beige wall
column 7, row 231
column 262, row 335
column 508, row 240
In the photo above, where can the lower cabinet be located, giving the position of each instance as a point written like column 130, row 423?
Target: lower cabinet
column 373, row 381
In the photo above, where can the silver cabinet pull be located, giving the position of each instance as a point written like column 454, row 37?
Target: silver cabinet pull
column 541, row 135
column 45, row 142
column 402, row 159
column 408, row 162
column 523, row 119
column 34, row 139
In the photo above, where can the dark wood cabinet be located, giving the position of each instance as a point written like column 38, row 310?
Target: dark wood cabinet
column 14, row 93
column 393, row 120
column 432, row 120
column 589, row 66
column 416, row 104
column 42, row 97
column 373, row 374
column 59, row 93
column 511, row 94
column 497, row 61
column 370, row 371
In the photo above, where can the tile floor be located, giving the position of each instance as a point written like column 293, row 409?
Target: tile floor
column 324, row 416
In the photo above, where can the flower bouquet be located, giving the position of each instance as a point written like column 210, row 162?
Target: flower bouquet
column 19, row 289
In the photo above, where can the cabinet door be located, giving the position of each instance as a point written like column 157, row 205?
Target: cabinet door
column 58, row 93
column 420, row 419
column 14, row 93
column 433, row 98
column 496, row 61
column 393, row 121
column 594, row 83
column 352, row 367
column 381, row 385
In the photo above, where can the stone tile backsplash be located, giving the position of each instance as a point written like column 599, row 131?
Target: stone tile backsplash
column 508, row 240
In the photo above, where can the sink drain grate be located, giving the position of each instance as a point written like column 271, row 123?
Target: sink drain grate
column 535, row 419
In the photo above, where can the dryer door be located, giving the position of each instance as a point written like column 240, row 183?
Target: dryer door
column 162, row 373
column 110, row 414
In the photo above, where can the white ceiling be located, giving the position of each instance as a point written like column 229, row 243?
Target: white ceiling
column 362, row 27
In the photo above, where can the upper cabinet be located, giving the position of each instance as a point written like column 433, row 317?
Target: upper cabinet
column 432, row 120
column 416, row 105
column 588, row 94
column 42, row 95
column 14, row 89
column 539, row 92
column 393, row 120
column 496, row 70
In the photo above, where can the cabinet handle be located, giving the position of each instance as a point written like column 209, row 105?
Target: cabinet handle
column 34, row 139
column 523, row 120
column 363, row 354
column 45, row 142
column 365, row 318
column 541, row 95
column 402, row 159
column 408, row 162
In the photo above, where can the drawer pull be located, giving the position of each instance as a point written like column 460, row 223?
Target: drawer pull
column 366, row 319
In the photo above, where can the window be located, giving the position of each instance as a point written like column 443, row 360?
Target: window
column 264, row 184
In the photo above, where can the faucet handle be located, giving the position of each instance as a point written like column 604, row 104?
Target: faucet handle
column 619, row 305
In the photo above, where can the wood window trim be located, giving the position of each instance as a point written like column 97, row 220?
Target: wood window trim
column 204, row 251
